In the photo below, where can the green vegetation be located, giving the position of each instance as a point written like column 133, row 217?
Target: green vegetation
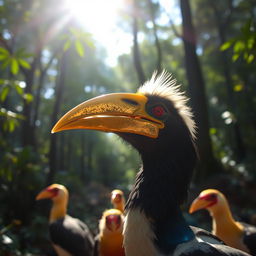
column 49, row 63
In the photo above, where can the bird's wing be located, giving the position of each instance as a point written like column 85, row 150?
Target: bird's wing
column 68, row 234
column 206, row 235
column 249, row 238
column 206, row 243
column 202, row 249
column 96, row 246
column 86, row 230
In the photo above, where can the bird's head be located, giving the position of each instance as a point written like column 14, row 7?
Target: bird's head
column 156, row 121
column 55, row 192
column 211, row 199
column 117, row 196
column 112, row 221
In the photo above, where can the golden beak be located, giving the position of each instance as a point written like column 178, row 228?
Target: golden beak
column 117, row 112
column 44, row 194
column 198, row 204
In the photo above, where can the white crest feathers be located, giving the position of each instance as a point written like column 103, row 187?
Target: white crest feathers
column 164, row 85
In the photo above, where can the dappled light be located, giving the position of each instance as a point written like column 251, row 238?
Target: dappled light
column 153, row 98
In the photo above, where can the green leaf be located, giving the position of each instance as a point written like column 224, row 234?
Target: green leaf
column 251, row 43
column 14, row 66
column 250, row 58
column 28, row 97
column 4, row 93
column 11, row 125
column 213, row 131
column 238, row 87
column 66, row 45
column 225, row 46
column 18, row 89
column 3, row 51
column 3, row 57
column 239, row 46
column 24, row 63
column 79, row 48
column 235, row 57
column 6, row 62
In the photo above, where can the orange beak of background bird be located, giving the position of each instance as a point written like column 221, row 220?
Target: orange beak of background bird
column 44, row 194
column 117, row 112
column 201, row 202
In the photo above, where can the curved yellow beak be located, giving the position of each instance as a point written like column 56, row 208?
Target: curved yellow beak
column 117, row 112
column 44, row 194
column 198, row 204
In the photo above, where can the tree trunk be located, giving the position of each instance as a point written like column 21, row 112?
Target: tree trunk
column 157, row 43
column 207, row 164
column 239, row 147
column 136, row 50
column 37, row 100
column 82, row 158
column 60, row 85
column 28, row 136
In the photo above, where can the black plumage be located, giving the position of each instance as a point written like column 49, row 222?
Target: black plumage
column 69, row 236
column 249, row 237
column 157, row 122
column 72, row 235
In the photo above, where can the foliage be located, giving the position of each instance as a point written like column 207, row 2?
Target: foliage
column 243, row 45
column 14, row 61
column 40, row 44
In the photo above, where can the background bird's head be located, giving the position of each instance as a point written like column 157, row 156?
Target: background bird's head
column 55, row 192
column 117, row 196
column 112, row 221
column 156, row 121
column 212, row 200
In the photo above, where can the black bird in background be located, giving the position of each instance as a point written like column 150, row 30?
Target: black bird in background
column 70, row 236
column 157, row 122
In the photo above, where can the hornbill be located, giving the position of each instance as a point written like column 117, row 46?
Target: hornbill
column 236, row 234
column 117, row 199
column 157, row 122
column 109, row 241
column 70, row 236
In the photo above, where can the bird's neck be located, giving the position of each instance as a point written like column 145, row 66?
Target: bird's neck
column 154, row 196
column 111, row 242
column 58, row 210
column 172, row 232
column 119, row 206
column 223, row 223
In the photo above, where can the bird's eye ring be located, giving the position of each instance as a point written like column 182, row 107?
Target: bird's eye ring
column 158, row 111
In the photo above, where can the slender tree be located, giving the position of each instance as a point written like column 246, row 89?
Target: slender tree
column 59, row 89
column 41, row 83
column 136, row 50
column 207, row 164
column 157, row 42
column 222, row 25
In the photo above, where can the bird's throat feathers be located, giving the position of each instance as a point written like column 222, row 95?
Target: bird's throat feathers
column 153, row 205
column 58, row 211
column 154, row 237
column 160, row 186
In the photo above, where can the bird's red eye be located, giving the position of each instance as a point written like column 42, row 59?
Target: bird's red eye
column 209, row 197
column 158, row 111
column 54, row 191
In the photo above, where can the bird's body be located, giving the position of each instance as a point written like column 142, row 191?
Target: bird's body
column 118, row 200
column 109, row 241
column 236, row 234
column 157, row 122
column 69, row 236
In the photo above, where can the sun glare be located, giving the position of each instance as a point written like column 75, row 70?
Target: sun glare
column 95, row 15
column 99, row 17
